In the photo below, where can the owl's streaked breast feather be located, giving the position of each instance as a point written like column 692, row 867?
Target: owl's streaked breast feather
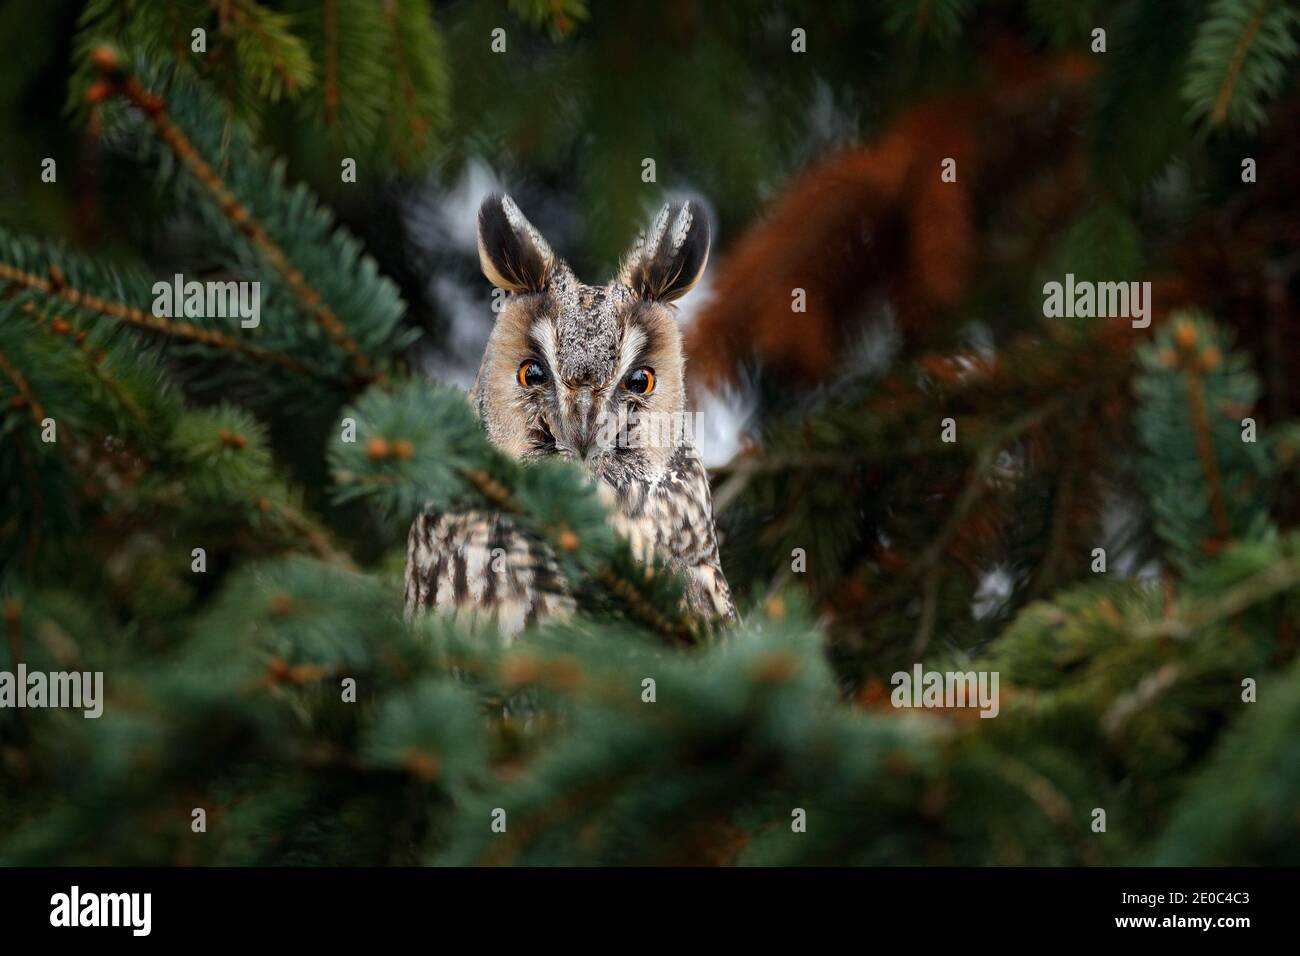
column 672, row 516
column 481, row 564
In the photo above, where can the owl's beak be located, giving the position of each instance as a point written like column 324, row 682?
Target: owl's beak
column 583, row 419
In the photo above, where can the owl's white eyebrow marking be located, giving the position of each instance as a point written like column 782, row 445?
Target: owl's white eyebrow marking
column 543, row 332
column 630, row 350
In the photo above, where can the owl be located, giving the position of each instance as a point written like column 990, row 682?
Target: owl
column 593, row 375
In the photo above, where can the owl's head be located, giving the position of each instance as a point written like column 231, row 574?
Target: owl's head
column 589, row 373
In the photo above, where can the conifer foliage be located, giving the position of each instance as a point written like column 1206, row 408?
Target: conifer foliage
column 940, row 477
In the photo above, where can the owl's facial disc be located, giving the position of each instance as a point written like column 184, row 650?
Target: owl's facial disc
column 597, row 369
column 590, row 373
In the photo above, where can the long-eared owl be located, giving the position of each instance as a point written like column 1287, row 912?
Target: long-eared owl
column 595, row 375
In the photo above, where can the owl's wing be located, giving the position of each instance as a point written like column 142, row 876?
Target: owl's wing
column 480, row 564
column 674, row 516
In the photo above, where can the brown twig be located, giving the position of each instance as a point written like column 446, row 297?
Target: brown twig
column 1205, row 451
column 1229, row 85
column 56, row 287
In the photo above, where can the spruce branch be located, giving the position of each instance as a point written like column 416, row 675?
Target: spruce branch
column 418, row 95
column 25, row 398
column 57, row 288
column 135, row 435
column 1204, row 481
column 352, row 43
column 1279, row 578
column 92, row 360
column 122, row 82
column 253, row 52
column 1233, row 73
column 1240, row 802
column 266, row 47
column 1241, row 56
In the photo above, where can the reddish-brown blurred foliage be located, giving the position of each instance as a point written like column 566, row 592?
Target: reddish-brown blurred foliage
column 878, row 220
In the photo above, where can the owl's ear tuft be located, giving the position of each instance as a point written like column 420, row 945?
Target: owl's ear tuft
column 511, row 252
column 669, row 257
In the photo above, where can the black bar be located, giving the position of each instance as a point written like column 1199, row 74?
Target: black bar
column 442, row 905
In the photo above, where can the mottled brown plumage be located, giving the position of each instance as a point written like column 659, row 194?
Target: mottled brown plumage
column 593, row 374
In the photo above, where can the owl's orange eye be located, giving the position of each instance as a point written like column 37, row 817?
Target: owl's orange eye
column 641, row 380
column 531, row 374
